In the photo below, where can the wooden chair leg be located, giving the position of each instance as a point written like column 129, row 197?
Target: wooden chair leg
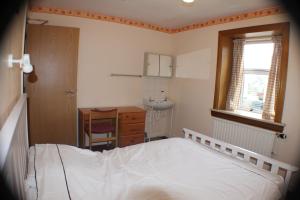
column 113, row 143
column 107, row 136
column 113, row 134
column 90, row 141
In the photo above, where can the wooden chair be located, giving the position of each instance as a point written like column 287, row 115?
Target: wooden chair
column 103, row 122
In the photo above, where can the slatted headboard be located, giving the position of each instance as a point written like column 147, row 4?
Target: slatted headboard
column 14, row 148
column 260, row 161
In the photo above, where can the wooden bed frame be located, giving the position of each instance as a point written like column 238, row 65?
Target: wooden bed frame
column 257, row 160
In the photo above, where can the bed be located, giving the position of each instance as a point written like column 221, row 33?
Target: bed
column 194, row 167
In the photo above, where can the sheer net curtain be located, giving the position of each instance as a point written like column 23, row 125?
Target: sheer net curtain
column 234, row 93
column 274, row 81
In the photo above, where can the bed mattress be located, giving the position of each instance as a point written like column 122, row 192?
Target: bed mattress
column 176, row 168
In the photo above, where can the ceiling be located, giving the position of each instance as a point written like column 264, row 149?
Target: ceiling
column 165, row 13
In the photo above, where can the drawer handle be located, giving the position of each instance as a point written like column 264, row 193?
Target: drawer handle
column 135, row 130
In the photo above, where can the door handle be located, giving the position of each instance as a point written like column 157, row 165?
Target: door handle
column 72, row 92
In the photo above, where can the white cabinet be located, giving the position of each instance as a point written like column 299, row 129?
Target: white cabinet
column 152, row 63
column 158, row 65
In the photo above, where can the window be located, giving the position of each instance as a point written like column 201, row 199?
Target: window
column 251, row 75
column 257, row 62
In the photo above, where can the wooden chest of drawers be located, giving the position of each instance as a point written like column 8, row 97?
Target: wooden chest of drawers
column 131, row 127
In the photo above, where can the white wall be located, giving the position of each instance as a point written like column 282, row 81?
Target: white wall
column 106, row 48
column 194, row 96
column 12, row 42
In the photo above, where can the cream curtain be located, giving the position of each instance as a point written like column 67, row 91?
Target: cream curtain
column 274, row 81
column 236, row 84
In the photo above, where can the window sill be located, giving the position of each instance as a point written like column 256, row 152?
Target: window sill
column 237, row 117
column 248, row 114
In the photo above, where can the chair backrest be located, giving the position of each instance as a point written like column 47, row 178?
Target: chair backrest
column 98, row 114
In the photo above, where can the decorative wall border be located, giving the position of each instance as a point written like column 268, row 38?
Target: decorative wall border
column 97, row 16
column 232, row 18
column 121, row 20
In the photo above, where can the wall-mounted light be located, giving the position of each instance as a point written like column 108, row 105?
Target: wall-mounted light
column 24, row 63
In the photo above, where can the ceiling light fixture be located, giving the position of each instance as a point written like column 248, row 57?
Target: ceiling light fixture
column 188, row 1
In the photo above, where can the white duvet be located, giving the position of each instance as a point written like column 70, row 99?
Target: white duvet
column 166, row 169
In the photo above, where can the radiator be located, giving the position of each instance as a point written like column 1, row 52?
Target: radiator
column 252, row 138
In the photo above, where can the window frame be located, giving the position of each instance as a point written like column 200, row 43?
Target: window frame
column 223, row 73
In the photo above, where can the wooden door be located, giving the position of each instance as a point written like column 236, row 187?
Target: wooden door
column 51, row 87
